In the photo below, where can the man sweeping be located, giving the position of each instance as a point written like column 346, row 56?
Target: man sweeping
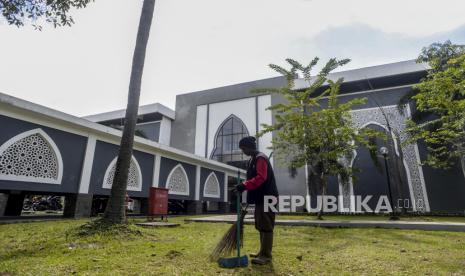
column 260, row 182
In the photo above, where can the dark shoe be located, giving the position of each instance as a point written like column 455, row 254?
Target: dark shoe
column 261, row 260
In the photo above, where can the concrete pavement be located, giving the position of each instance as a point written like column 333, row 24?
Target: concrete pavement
column 399, row 224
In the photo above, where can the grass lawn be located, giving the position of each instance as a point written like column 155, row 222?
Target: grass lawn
column 51, row 248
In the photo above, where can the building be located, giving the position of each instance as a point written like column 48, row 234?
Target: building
column 44, row 151
column 194, row 149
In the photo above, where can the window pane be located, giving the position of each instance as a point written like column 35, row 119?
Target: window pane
column 236, row 139
column 237, row 127
column 227, row 143
column 227, row 127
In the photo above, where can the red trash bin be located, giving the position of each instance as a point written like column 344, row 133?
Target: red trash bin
column 158, row 203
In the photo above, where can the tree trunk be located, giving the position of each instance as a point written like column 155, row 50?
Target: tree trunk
column 315, row 183
column 398, row 173
column 115, row 211
column 323, row 194
column 462, row 163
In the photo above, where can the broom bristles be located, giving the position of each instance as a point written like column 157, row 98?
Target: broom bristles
column 228, row 242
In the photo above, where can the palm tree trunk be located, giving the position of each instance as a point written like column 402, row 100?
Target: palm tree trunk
column 115, row 211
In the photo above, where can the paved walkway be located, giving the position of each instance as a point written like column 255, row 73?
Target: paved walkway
column 412, row 225
column 41, row 218
column 26, row 219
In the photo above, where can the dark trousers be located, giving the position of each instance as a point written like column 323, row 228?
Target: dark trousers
column 264, row 221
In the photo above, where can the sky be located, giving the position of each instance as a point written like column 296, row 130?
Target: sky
column 201, row 44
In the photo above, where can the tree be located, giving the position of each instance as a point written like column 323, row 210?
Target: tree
column 312, row 128
column 55, row 12
column 115, row 211
column 437, row 55
column 17, row 12
column 440, row 98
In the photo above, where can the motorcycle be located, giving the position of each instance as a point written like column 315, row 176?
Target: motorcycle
column 43, row 204
column 55, row 203
column 27, row 205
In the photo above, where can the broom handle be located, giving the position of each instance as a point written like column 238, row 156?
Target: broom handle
column 238, row 203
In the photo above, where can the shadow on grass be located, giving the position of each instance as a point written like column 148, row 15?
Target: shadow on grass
column 252, row 269
column 261, row 269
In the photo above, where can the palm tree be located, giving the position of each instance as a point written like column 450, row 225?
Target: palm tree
column 115, row 211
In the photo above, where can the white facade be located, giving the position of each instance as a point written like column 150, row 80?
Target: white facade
column 251, row 111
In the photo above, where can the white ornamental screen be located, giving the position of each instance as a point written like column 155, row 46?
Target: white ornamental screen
column 134, row 176
column 178, row 182
column 31, row 156
column 212, row 186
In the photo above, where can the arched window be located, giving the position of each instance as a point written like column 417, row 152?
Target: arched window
column 227, row 138
column 212, row 186
column 31, row 156
column 134, row 176
column 178, row 182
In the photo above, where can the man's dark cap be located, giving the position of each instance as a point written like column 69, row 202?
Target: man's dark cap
column 248, row 142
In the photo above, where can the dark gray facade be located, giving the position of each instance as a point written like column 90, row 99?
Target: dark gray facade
column 203, row 177
column 150, row 131
column 446, row 188
column 166, row 166
column 104, row 154
column 72, row 148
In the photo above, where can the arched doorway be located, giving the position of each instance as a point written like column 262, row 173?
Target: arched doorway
column 370, row 174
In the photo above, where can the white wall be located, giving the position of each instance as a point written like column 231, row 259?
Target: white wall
column 200, row 130
column 264, row 117
column 244, row 109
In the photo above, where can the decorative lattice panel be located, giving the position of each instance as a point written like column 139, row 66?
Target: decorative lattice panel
column 178, row 182
column 30, row 157
column 134, row 176
column 212, row 186
column 364, row 117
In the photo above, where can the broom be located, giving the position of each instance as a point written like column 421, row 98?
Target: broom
column 228, row 243
column 233, row 238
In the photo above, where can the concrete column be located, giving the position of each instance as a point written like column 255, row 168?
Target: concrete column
column 3, row 202
column 78, row 206
column 225, row 193
column 144, row 206
column 87, row 167
column 156, row 171
column 14, row 205
column 197, row 182
column 194, row 207
column 165, row 131
column 223, row 207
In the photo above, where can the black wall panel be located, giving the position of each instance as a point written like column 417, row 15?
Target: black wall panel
column 204, row 173
column 72, row 148
column 104, row 154
column 167, row 165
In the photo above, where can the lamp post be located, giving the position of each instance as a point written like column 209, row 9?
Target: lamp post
column 384, row 152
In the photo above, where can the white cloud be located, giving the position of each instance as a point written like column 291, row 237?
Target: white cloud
column 207, row 43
